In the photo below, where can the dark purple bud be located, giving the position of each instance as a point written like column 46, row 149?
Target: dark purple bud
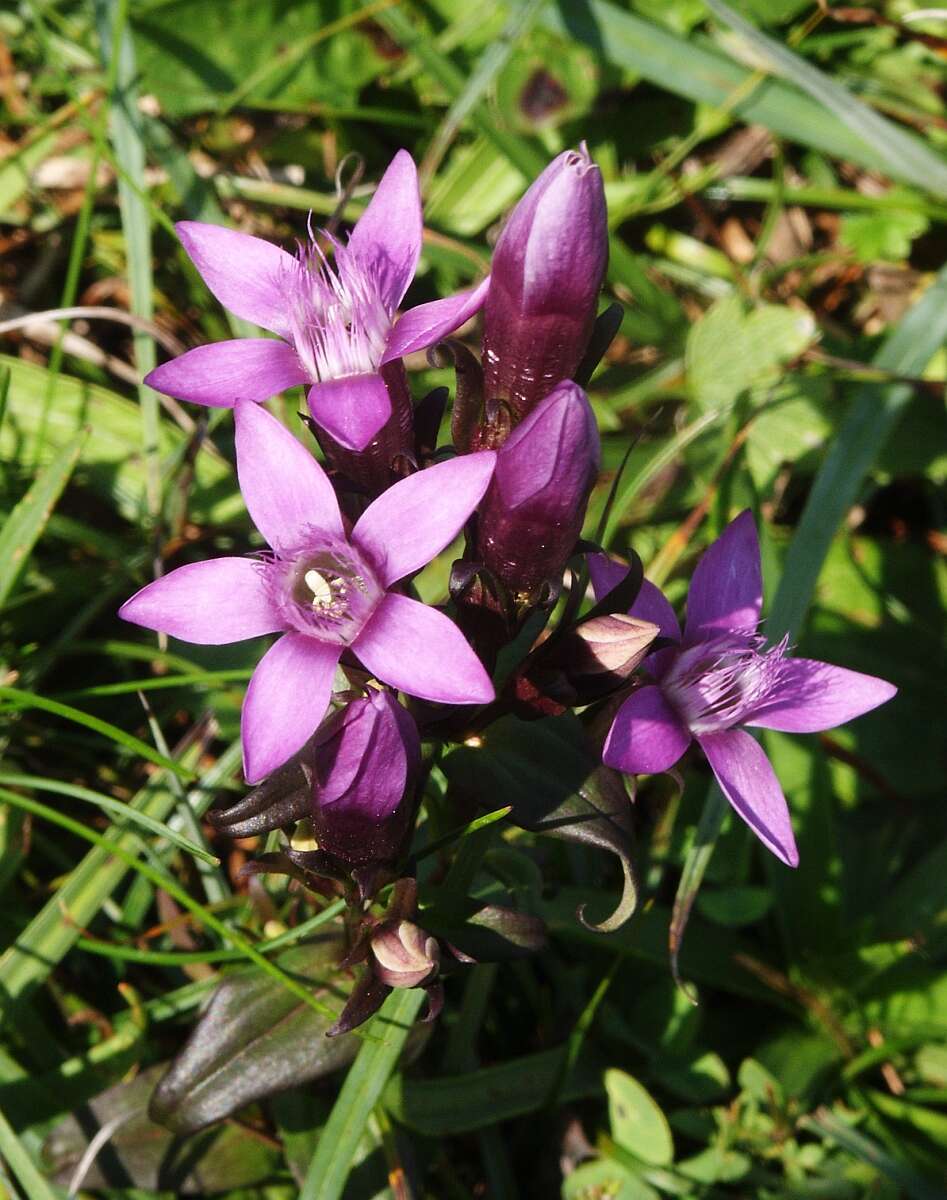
column 404, row 954
column 547, row 273
column 367, row 758
column 533, row 511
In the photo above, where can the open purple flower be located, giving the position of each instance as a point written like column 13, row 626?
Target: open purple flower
column 325, row 590
column 721, row 676
column 336, row 319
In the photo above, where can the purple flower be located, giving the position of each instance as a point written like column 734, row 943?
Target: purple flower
column 325, row 590
column 721, row 676
column 534, row 508
column 336, row 319
column 547, row 273
column 367, row 757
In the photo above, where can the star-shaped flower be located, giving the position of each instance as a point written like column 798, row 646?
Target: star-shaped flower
column 335, row 319
column 326, row 590
column 720, row 676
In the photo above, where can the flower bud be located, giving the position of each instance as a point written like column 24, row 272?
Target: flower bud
column 546, row 276
column 404, row 954
column 614, row 644
column 366, row 760
column 533, row 511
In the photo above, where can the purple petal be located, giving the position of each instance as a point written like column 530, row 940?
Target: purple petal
column 647, row 735
column 415, row 519
column 749, row 783
column 351, row 410
column 287, row 698
column 223, row 373
column 726, row 591
column 246, row 274
column 286, row 492
column 815, row 695
column 423, row 326
column 418, row 650
column 650, row 604
column 210, row 603
column 605, row 574
column 387, row 236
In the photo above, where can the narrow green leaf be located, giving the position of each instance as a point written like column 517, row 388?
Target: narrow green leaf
column 480, row 79
column 692, row 67
column 363, row 1085
column 54, row 930
column 477, row 1099
column 25, row 524
column 904, row 156
column 167, row 883
column 871, row 418
column 125, row 124
column 826, row 1124
column 19, row 699
column 118, row 807
column 28, row 1176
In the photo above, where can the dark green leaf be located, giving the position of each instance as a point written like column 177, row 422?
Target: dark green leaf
column 255, row 1038
column 141, row 1154
column 554, row 785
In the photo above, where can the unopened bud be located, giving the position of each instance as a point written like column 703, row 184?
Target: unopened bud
column 404, row 954
column 546, row 276
column 614, row 644
column 533, row 511
column 366, row 760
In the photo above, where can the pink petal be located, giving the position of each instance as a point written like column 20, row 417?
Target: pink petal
column 387, row 236
column 287, row 698
column 816, row 696
column 211, row 603
column 423, row 326
column 418, row 650
column 223, row 373
column 726, row 591
column 647, row 735
column 351, row 410
column 414, row 520
column 246, row 274
column 749, row 783
column 286, row 492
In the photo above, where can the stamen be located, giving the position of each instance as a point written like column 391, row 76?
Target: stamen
column 339, row 320
column 323, row 588
column 714, row 684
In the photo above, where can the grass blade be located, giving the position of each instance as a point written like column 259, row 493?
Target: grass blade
column 19, row 699
column 874, row 412
column 125, row 122
column 117, row 808
column 34, row 1185
column 48, row 937
column 25, row 524
column 364, row 1083
column 690, row 67
column 905, row 157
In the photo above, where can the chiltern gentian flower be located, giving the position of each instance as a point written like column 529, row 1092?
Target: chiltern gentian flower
column 533, row 511
column 721, row 676
column 367, row 757
column 325, row 590
column 336, row 319
column 547, row 273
